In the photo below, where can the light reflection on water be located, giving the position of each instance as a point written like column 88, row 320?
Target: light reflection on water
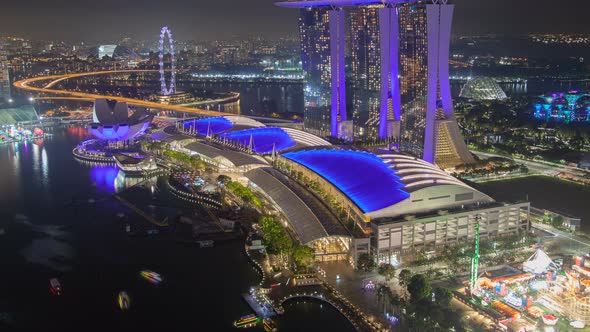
column 51, row 250
column 103, row 177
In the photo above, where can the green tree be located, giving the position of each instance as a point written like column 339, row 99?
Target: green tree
column 387, row 270
column 557, row 221
column 274, row 235
column 303, row 256
column 419, row 287
column 442, row 296
column 223, row 179
column 366, row 262
column 404, row 277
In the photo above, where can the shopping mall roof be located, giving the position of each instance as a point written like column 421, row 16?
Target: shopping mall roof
column 388, row 185
column 308, row 220
column 237, row 159
column 365, row 178
column 263, row 140
column 209, row 126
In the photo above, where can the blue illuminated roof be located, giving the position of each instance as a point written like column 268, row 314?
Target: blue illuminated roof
column 262, row 139
column 362, row 176
column 214, row 125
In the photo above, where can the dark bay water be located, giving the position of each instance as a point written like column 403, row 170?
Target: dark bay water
column 51, row 230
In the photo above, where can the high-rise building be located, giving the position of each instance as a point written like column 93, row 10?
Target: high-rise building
column 321, row 31
column 314, row 32
column 428, row 125
column 413, row 75
column 399, row 74
column 4, row 76
column 365, row 69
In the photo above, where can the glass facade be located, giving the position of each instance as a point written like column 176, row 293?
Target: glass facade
column 314, row 33
column 365, row 70
column 413, row 50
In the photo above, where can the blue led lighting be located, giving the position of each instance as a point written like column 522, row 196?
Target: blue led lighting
column 362, row 176
column 263, row 139
column 212, row 125
column 104, row 177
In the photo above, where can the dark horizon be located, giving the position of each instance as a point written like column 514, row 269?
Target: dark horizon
column 223, row 19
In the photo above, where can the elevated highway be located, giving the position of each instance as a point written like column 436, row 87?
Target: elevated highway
column 47, row 89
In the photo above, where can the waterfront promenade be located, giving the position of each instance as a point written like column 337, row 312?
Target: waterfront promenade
column 276, row 289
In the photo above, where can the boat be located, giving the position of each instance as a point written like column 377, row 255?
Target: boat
column 54, row 286
column 246, row 321
column 549, row 319
column 269, row 325
column 151, row 276
column 123, row 300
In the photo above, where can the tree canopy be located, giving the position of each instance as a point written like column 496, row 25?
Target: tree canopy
column 419, row 287
column 387, row 270
column 366, row 262
column 303, row 256
column 274, row 235
column 404, row 277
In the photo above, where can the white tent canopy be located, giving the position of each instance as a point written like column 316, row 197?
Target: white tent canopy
column 538, row 263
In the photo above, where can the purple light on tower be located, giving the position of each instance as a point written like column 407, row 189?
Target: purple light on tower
column 439, row 19
column 337, row 45
column 389, row 36
column 172, row 89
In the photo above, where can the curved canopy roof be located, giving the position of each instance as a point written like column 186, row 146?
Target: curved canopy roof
column 416, row 173
column 482, row 88
column 262, row 139
column 365, row 178
column 209, row 126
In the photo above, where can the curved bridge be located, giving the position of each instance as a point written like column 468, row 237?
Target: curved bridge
column 74, row 95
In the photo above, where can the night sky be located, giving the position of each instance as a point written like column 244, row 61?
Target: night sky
column 213, row 19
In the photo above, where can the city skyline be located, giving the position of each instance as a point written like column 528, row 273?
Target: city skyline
column 218, row 19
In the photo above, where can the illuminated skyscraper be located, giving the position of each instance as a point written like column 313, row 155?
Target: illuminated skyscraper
column 321, row 32
column 365, row 67
column 413, row 73
column 428, row 125
column 4, row 76
column 400, row 73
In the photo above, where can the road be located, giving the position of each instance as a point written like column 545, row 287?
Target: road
column 568, row 244
column 539, row 167
column 47, row 89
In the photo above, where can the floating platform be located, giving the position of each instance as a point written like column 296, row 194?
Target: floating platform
column 261, row 311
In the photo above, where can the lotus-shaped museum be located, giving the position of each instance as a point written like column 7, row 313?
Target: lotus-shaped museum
column 113, row 121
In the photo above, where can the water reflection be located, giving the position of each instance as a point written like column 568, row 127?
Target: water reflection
column 51, row 250
column 103, row 177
